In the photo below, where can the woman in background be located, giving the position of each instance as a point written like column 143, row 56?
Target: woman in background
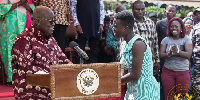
column 176, row 49
column 136, row 61
column 188, row 22
column 12, row 22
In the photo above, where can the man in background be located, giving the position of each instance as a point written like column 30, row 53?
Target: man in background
column 103, row 57
column 161, row 25
column 153, row 17
column 146, row 28
column 89, row 18
column 112, row 43
column 196, row 18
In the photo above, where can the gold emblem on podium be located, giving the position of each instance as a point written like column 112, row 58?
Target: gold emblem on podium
column 87, row 81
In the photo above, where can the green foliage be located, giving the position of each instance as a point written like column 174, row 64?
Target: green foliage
column 155, row 9
column 110, row 5
column 183, row 11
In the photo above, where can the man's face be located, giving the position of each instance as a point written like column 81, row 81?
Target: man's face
column 198, row 14
column 106, row 25
column 47, row 25
column 171, row 12
column 138, row 10
column 154, row 19
column 195, row 18
column 111, row 18
column 118, row 28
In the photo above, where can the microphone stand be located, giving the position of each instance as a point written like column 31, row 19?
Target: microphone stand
column 81, row 59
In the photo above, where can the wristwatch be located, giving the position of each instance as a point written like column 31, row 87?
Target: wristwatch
column 177, row 51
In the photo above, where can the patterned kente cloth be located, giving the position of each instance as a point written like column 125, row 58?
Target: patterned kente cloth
column 146, row 87
column 33, row 52
column 147, row 30
column 59, row 8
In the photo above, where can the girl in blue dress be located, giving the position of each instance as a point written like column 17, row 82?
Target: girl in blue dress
column 136, row 61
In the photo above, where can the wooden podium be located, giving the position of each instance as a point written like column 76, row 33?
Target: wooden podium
column 80, row 81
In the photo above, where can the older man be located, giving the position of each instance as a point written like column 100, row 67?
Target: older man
column 35, row 49
column 146, row 28
column 62, row 16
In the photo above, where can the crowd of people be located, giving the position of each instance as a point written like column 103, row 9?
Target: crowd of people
column 156, row 56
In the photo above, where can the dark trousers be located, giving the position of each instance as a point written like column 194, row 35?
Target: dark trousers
column 94, row 47
column 162, row 94
column 175, row 82
column 59, row 34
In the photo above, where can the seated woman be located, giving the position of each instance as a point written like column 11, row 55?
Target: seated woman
column 176, row 49
column 136, row 61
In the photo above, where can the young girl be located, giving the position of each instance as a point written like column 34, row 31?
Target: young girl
column 136, row 61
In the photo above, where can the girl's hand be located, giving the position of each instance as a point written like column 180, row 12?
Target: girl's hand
column 174, row 49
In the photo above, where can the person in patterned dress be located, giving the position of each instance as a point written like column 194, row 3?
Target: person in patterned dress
column 12, row 22
column 136, row 61
column 35, row 49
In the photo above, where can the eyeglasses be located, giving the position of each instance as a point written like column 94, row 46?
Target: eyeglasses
column 188, row 23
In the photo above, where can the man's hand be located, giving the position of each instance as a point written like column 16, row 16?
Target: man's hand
column 79, row 29
column 100, row 28
column 22, row 2
column 71, row 20
column 27, row 7
column 156, row 68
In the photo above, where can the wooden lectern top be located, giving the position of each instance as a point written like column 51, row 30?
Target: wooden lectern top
column 81, row 81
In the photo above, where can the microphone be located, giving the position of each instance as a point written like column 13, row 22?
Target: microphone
column 80, row 52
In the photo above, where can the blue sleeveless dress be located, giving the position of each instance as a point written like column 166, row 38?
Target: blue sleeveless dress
column 146, row 87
